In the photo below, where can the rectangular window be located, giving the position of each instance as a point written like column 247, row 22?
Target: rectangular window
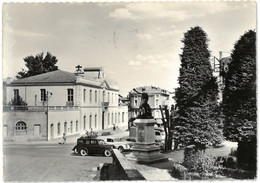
column 43, row 94
column 123, row 117
column 16, row 94
column 77, row 126
column 70, row 95
column 108, row 97
column 90, row 96
column 95, row 96
column 112, row 98
column 108, row 119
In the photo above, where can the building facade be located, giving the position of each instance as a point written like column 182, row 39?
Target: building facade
column 45, row 106
column 157, row 97
column 220, row 68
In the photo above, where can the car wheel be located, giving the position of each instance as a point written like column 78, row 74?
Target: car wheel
column 121, row 149
column 83, row 152
column 107, row 153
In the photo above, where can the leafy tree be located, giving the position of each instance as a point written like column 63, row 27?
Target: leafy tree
column 239, row 99
column 198, row 115
column 38, row 65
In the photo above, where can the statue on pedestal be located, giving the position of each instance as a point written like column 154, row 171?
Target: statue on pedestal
column 145, row 111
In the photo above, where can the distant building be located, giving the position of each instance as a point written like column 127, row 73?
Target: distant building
column 61, row 102
column 157, row 97
column 221, row 67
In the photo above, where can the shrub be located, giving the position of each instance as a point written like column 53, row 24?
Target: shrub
column 203, row 164
column 179, row 171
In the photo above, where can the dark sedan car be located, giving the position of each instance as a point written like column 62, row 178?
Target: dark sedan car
column 86, row 146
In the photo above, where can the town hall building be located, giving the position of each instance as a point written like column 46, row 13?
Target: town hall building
column 45, row 106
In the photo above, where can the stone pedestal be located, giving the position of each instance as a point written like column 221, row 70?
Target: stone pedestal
column 145, row 150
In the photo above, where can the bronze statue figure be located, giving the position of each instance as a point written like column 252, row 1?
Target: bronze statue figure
column 144, row 109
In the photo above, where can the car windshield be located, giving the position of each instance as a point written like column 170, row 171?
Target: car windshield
column 118, row 140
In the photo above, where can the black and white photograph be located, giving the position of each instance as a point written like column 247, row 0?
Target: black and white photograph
column 129, row 91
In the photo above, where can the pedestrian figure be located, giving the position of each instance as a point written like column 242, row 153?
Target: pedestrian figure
column 91, row 132
column 114, row 127
column 64, row 138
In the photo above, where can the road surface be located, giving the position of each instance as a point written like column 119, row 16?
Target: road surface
column 48, row 162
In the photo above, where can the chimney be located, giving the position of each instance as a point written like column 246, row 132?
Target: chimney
column 220, row 55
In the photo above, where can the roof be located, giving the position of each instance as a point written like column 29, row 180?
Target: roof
column 150, row 90
column 63, row 77
column 57, row 76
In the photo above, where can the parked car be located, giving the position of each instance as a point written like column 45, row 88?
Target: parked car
column 118, row 143
column 159, row 135
column 87, row 146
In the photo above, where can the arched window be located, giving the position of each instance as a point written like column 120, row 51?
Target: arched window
column 108, row 119
column 84, row 95
column 65, row 127
column 77, row 126
column 58, row 129
column 90, row 121
column 84, row 123
column 123, row 116
column 95, row 96
column 95, row 121
column 21, row 128
column 71, row 127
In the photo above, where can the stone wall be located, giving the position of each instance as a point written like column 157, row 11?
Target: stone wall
column 121, row 169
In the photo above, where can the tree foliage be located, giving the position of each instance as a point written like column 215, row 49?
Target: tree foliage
column 239, row 97
column 38, row 65
column 198, row 115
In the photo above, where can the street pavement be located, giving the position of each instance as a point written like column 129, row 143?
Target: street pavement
column 50, row 161
column 54, row 162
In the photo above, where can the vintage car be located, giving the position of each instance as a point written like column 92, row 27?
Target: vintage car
column 118, row 143
column 87, row 146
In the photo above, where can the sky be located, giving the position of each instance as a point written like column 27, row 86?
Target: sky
column 138, row 44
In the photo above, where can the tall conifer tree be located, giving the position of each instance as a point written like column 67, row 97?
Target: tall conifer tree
column 198, row 115
column 239, row 100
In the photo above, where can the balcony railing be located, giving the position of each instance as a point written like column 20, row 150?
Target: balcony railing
column 69, row 103
column 39, row 108
column 105, row 104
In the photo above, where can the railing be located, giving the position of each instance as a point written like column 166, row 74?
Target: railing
column 105, row 104
column 39, row 108
column 69, row 103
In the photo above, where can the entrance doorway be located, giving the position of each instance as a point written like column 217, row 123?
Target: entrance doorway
column 36, row 130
